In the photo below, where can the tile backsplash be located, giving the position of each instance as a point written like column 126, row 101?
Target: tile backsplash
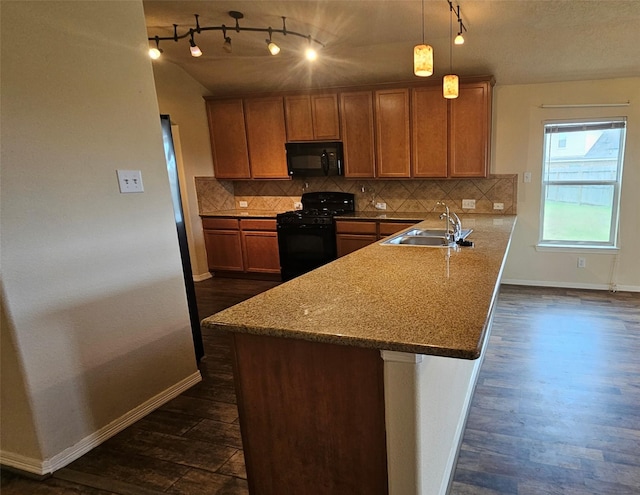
column 399, row 195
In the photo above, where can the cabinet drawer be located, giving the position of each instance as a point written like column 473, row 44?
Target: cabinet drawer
column 258, row 224
column 388, row 228
column 348, row 227
column 220, row 223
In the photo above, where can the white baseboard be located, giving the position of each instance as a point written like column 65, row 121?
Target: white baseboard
column 570, row 285
column 201, row 277
column 60, row 460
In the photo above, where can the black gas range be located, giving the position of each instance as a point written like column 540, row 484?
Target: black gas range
column 307, row 237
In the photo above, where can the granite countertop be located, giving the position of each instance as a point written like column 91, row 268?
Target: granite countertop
column 242, row 213
column 402, row 298
column 356, row 215
column 412, row 216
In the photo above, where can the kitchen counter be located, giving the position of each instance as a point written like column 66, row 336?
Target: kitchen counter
column 357, row 377
column 241, row 213
column 399, row 298
column 400, row 216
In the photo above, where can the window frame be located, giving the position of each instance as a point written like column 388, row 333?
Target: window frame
column 597, row 123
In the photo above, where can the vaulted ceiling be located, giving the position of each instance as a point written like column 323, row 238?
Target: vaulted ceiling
column 371, row 41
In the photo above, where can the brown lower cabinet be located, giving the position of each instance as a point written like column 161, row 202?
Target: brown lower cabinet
column 352, row 235
column 241, row 245
column 312, row 416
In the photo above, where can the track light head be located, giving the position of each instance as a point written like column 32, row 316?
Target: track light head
column 273, row 48
column 155, row 52
column 311, row 54
column 226, row 46
column 459, row 39
column 195, row 49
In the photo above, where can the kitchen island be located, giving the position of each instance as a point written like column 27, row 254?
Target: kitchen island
column 357, row 377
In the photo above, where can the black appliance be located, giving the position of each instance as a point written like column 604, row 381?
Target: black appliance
column 307, row 237
column 314, row 159
column 172, row 170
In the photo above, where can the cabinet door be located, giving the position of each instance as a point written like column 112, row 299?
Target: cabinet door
column 429, row 132
column 266, row 136
column 393, row 152
column 348, row 243
column 356, row 114
column 298, row 117
column 228, row 139
column 261, row 252
column 326, row 124
column 312, row 117
column 224, row 250
column 469, row 131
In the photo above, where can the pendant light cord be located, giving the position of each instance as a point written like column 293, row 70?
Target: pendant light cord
column 450, row 42
column 423, row 22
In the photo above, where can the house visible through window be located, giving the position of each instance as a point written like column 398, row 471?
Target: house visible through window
column 581, row 179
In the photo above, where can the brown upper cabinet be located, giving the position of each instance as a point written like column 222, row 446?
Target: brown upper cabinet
column 390, row 131
column 264, row 118
column 356, row 114
column 429, row 124
column 228, row 139
column 470, row 131
column 312, row 117
column 247, row 138
column 393, row 149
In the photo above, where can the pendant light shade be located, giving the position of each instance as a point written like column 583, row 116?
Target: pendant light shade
column 450, row 86
column 423, row 60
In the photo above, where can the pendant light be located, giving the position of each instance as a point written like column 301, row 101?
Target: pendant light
column 423, row 55
column 450, row 81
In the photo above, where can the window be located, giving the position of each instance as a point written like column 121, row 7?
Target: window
column 581, row 178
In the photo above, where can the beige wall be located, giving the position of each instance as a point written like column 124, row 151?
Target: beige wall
column 93, row 299
column 517, row 148
column 180, row 96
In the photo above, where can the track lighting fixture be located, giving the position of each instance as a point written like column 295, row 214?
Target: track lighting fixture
column 459, row 39
column 195, row 49
column 274, row 49
column 226, row 46
column 156, row 51
column 423, row 55
column 450, row 81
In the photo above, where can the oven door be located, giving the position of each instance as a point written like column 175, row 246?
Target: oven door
column 305, row 247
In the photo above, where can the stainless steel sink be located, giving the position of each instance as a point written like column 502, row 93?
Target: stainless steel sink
column 424, row 237
column 464, row 233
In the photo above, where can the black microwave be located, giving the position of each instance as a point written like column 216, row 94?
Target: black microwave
column 314, row 159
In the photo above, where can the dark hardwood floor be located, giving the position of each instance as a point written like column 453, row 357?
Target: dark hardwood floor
column 556, row 410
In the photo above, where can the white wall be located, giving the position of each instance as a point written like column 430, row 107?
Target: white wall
column 95, row 322
column 180, row 96
column 517, row 147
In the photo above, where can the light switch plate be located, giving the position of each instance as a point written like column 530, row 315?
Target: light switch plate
column 527, row 177
column 498, row 206
column 243, row 204
column 130, row 181
column 469, row 204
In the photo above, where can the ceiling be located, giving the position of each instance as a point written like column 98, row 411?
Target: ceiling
column 371, row 41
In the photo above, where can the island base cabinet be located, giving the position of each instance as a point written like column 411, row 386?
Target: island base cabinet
column 311, row 416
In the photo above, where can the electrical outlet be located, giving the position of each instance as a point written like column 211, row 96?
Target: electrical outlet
column 243, row 204
column 381, row 206
column 297, row 205
column 527, row 177
column 582, row 262
column 498, row 206
column 130, row 181
column 469, row 204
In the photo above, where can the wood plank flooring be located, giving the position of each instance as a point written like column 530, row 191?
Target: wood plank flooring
column 556, row 410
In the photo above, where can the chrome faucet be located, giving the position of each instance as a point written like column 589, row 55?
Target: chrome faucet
column 451, row 222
